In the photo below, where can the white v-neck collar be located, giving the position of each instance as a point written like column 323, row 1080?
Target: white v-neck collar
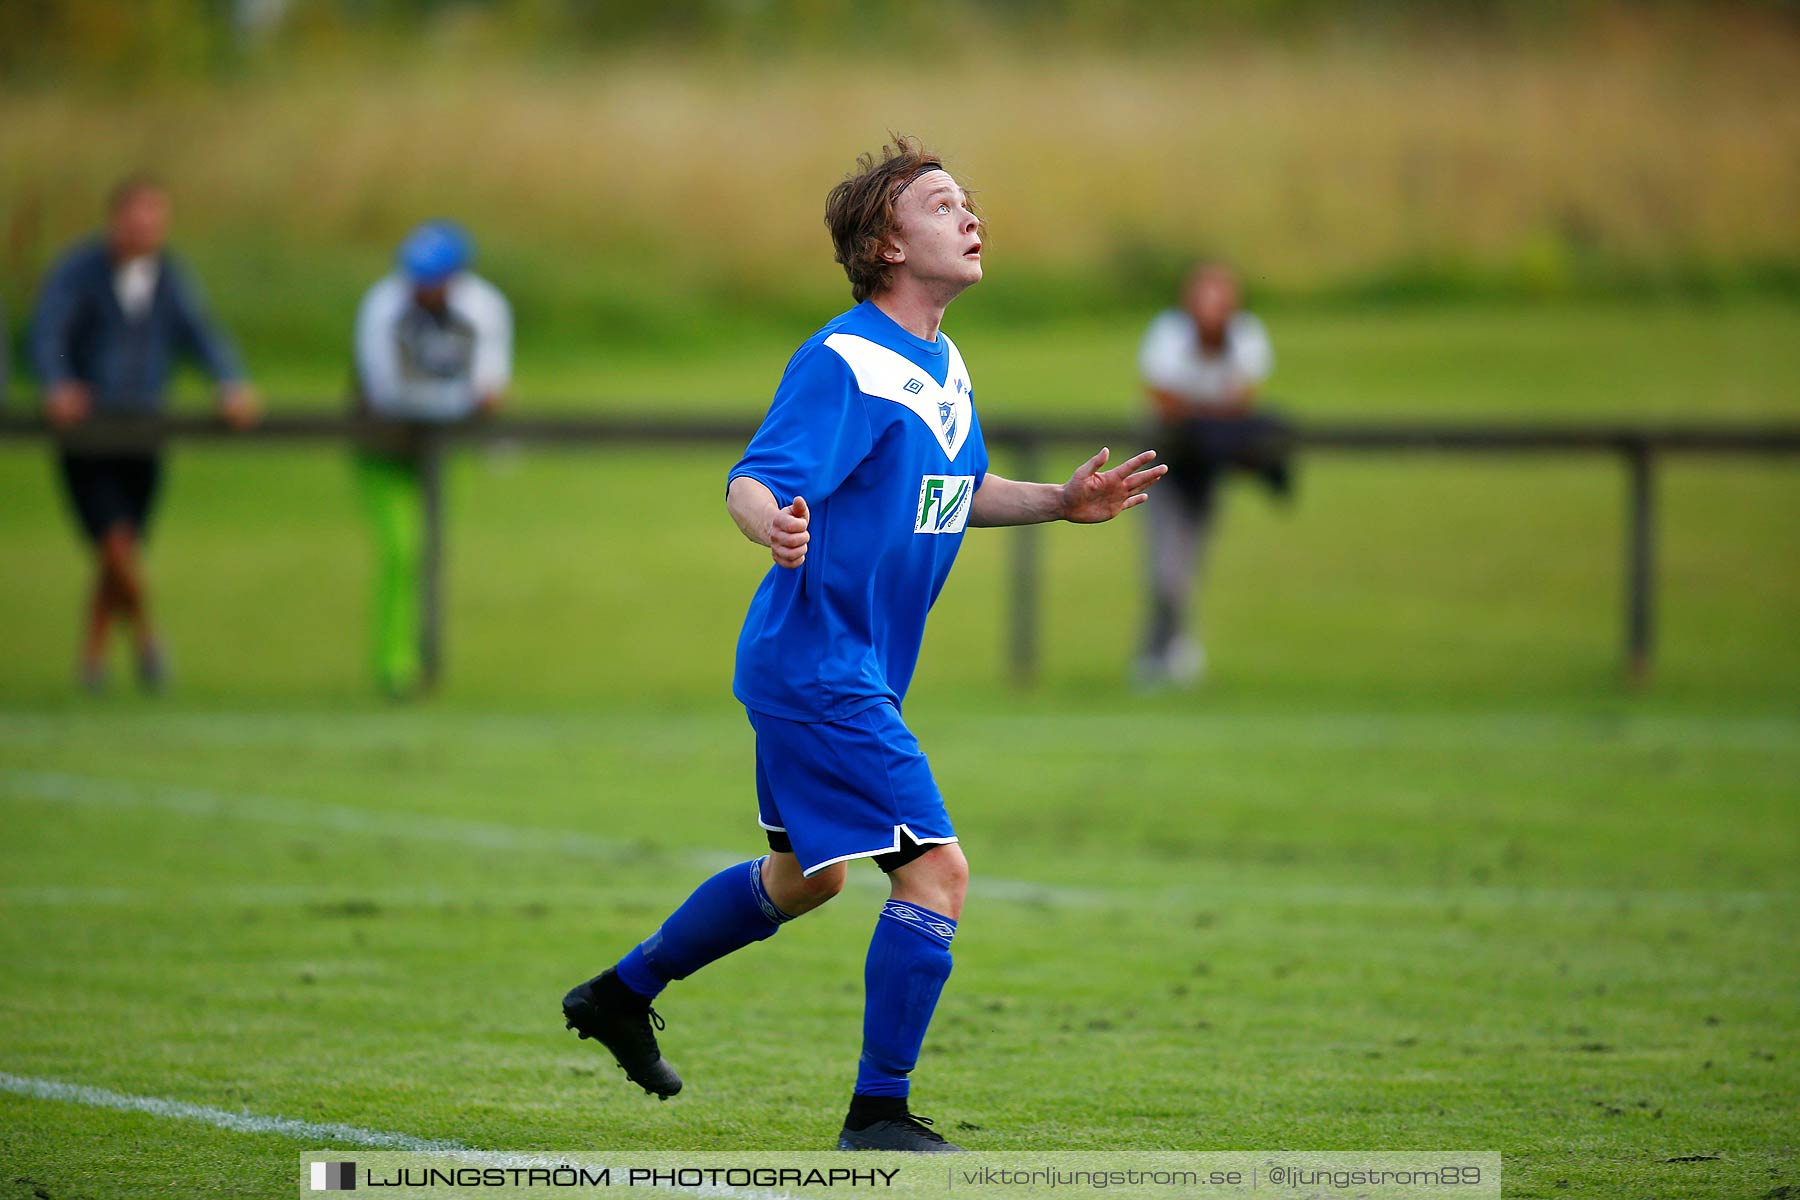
column 947, row 408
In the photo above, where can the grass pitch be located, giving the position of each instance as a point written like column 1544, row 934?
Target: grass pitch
column 1413, row 871
column 1564, row 936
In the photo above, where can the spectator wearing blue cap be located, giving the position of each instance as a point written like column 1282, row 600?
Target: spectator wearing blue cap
column 433, row 344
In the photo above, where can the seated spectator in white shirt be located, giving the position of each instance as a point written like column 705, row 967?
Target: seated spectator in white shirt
column 1202, row 365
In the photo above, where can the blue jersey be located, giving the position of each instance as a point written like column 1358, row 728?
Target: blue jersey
column 876, row 429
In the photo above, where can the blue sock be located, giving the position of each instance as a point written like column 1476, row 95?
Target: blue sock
column 909, row 960
column 726, row 913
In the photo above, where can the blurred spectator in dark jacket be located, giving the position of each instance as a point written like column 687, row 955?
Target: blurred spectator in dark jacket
column 1202, row 365
column 115, row 313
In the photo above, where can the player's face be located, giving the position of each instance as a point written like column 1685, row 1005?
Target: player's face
column 939, row 240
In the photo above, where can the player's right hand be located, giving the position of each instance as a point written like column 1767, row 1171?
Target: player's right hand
column 788, row 535
column 67, row 404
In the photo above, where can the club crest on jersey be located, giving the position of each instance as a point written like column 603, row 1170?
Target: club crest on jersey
column 944, row 503
column 946, row 409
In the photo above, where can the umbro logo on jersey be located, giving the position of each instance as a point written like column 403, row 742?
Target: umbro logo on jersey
column 944, row 503
column 889, row 375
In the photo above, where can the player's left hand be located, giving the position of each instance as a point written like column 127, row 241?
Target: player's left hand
column 1093, row 495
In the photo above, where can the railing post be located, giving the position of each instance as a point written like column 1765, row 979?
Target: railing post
column 1023, row 640
column 1640, row 560
column 431, row 589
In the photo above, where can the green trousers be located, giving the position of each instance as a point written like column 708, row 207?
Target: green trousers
column 394, row 498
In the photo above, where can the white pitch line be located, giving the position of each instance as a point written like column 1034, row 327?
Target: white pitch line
column 1261, row 895
column 202, row 802
column 237, row 1122
column 333, row 1133
column 66, row 788
column 1112, row 732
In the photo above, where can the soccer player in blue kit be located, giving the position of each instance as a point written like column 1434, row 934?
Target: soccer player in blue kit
column 860, row 482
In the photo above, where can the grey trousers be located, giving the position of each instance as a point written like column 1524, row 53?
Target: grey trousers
column 1179, row 533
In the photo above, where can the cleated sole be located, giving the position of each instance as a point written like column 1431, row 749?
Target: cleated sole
column 583, row 1035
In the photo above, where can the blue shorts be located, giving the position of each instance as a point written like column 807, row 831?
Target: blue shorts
column 846, row 789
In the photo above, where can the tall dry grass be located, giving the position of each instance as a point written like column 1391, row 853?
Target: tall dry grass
column 1641, row 142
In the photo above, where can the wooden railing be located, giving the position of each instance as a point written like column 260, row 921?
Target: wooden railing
column 1638, row 448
